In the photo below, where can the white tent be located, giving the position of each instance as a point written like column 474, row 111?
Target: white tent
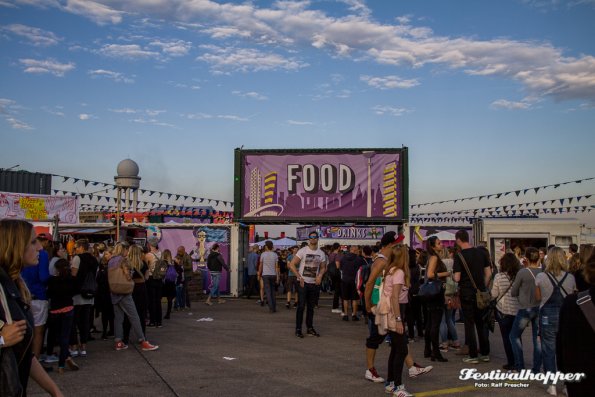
column 444, row 235
column 284, row 242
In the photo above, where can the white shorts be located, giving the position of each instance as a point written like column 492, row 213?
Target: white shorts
column 39, row 309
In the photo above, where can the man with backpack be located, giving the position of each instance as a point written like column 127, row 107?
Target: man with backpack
column 156, row 272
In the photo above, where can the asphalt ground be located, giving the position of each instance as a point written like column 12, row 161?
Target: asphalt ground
column 247, row 351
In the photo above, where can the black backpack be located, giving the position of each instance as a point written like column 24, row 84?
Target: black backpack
column 160, row 269
column 86, row 276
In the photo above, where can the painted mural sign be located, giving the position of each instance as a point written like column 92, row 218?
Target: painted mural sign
column 342, row 232
column 197, row 241
column 364, row 184
column 420, row 234
column 38, row 207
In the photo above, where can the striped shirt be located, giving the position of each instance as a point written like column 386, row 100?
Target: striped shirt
column 508, row 304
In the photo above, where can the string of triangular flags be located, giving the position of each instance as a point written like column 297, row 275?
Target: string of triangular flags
column 531, row 213
column 177, row 196
column 172, row 210
column 142, row 203
column 504, row 194
column 508, row 207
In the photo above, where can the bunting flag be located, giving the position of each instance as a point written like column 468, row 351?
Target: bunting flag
column 499, row 195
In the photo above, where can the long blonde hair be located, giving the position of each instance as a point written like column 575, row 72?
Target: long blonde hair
column 399, row 259
column 15, row 236
column 556, row 261
column 135, row 258
column 167, row 257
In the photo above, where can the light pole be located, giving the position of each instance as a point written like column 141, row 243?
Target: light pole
column 369, row 154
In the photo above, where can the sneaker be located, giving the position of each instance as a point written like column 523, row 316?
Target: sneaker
column 121, row 346
column 51, row 359
column 221, row 301
column 71, row 364
column 484, row 359
column 294, row 305
column 345, row 318
column 444, row 348
column 159, row 325
column 355, row 317
column 336, row 311
column 312, row 332
column 287, row 305
column 146, row 346
column 83, row 353
column 390, row 388
column 74, row 353
column 298, row 333
column 551, row 390
column 373, row 376
column 455, row 346
column 42, row 358
column 471, row 360
column 414, row 371
column 209, row 303
column 401, row 392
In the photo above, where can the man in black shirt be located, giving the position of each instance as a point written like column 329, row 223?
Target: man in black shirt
column 480, row 269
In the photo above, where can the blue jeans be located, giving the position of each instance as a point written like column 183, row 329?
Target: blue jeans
column 180, row 297
column 521, row 321
column 447, row 327
column 548, row 325
column 269, row 289
column 215, row 277
column 505, row 322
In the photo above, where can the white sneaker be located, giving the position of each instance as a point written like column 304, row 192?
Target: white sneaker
column 551, row 390
column 336, row 311
column 401, row 392
column 51, row 359
column 373, row 376
column 416, row 371
column 74, row 353
column 390, row 388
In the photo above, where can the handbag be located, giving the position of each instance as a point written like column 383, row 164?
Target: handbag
column 489, row 317
column 10, row 384
column 453, row 302
column 430, row 289
column 120, row 281
column 482, row 298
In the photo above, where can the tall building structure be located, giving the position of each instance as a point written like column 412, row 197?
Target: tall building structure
column 270, row 188
column 389, row 196
column 255, row 189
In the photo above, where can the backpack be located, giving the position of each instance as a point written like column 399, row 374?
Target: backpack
column 171, row 275
column 85, row 278
column 160, row 268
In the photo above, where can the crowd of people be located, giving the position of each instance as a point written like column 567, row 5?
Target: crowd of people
column 53, row 293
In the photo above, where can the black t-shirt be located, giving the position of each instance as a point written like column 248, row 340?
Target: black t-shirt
column 477, row 261
column 350, row 263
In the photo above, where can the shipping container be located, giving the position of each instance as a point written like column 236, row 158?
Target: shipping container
column 25, row 182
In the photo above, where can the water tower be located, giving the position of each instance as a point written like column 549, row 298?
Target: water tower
column 126, row 181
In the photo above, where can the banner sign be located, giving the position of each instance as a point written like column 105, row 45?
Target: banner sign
column 38, row 207
column 342, row 232
column 335, row 184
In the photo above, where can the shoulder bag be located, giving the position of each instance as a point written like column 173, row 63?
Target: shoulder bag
column 120, row 281
column 431, row 288
column 482, row 298
column 10, row 384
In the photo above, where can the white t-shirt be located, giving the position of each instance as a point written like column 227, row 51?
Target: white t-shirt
column 310, row 261
column 269, row 260
column 547, row 288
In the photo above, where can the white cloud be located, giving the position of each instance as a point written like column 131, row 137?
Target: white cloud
column 154, row 122
column 175, row 48
column 231, row 117
column 97, row 12
column 9, row 110
column 18, row 124
column 116, row 76
column 301, row 123
column 525, row 104
column 86, row 116
column 127, row 51
column 542, row 69
column 246, row 60
column 252, row 95
column 390, row 111
column 124, row 110
column 389, row 82
column 38, row 37
column 47, row 66
column 56, row 110
column 206, row 116
column 154, row 112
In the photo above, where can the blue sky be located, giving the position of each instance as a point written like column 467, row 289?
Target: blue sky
column 488, row 96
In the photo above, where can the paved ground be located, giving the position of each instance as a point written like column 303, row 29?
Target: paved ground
column 246, row 351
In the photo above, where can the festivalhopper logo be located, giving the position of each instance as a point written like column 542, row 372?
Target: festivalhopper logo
column 498, row 378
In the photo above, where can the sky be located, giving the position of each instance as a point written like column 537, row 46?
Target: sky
column 488, row 96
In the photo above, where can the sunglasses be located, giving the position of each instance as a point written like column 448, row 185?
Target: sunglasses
column 312, row 237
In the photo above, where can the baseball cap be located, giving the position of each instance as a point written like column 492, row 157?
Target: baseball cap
column 153, row 241
column 391, row 238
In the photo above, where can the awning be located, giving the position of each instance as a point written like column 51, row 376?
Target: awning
column 100, row 230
